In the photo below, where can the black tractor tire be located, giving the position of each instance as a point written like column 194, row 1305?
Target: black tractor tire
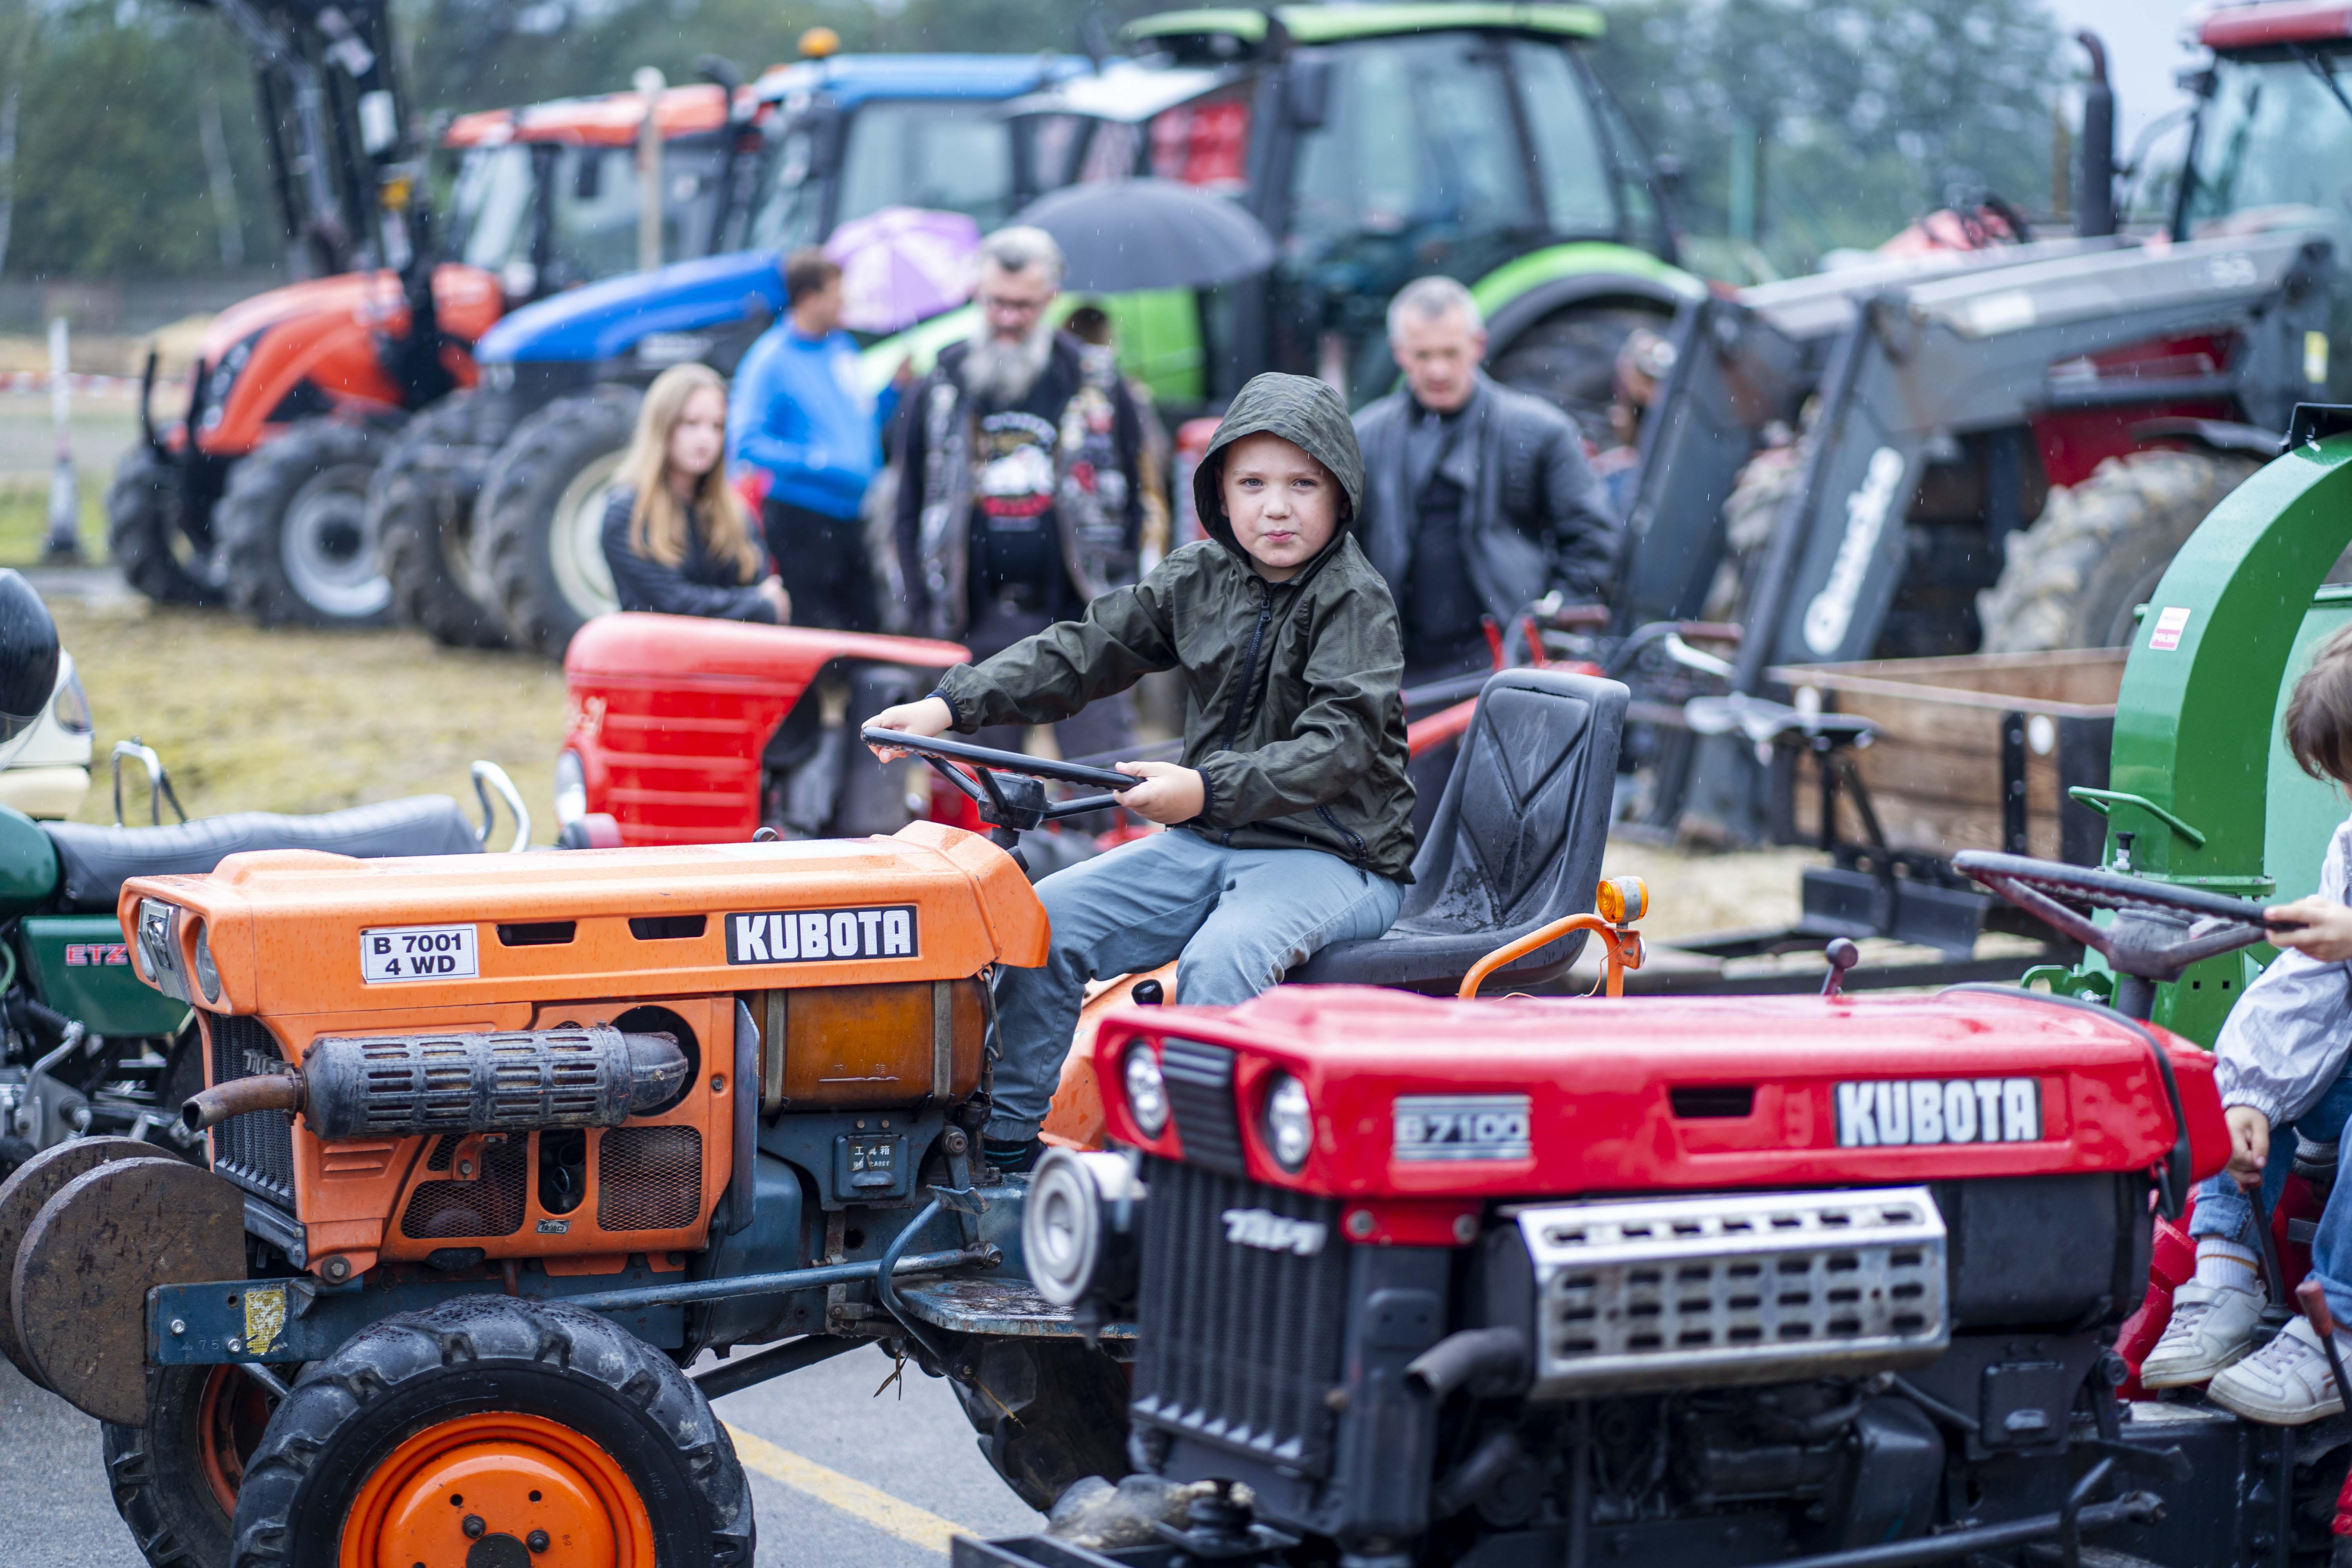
column 391, row 1384
column 293, row 529
column 1569, row 360
column 541, row 511
column 1048, row 1415
column 175, row 1479
column 2099, row 549
column 145, row 534
column 421, row 512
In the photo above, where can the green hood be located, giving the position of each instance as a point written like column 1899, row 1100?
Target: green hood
column 1304, row 411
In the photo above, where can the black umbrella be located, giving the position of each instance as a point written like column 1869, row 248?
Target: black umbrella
column 1119, row 235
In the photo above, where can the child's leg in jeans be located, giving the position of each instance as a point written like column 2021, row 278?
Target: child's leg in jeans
column 1278, row 907
column 1132, row 909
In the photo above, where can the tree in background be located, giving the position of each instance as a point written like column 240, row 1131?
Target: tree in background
column 1860, row 114
column 110, row 176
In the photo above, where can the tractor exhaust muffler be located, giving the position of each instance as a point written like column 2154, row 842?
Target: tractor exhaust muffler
column 399, row 1086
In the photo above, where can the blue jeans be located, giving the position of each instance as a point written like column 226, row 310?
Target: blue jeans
column 1233, row 920
column 2225, row 1211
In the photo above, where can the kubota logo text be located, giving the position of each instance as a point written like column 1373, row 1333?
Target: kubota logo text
column 1940, row 1110
column 804, row 936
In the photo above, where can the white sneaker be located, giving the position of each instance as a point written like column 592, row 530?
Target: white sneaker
column 2212, row 1328
column 2285, row 1383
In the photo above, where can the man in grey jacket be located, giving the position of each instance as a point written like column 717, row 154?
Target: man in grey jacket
column 1478, row 500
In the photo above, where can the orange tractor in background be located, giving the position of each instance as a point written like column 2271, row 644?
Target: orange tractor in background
column 259, row 494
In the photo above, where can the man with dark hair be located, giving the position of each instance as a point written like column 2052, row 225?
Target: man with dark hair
column 802, row 424
column 1021, row 481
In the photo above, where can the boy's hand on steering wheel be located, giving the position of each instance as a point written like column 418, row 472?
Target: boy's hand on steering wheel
column 2250, row 1144
column 2326, row 930
column 1169, row 793
column 928, row 719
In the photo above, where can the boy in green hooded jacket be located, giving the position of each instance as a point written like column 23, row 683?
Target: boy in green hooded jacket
column 1290, row 811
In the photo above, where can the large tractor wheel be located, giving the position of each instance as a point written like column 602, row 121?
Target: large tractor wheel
column 175, row 1479
column 421, row 512
column 294, row 529
column 485, row 1430
column 2074, row 578
column 542, row 515
column 148, row 536
column 1569, row 360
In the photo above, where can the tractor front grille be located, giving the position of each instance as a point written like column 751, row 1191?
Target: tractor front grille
column 255, row 1150
column 1643, row 1293
column 1199, row 1080
column 1243, row 1300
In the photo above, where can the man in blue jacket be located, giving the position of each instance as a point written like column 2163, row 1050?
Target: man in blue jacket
column 802, row 422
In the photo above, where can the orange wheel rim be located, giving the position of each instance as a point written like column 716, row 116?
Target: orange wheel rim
column 230, row 1416
column 493, row 1488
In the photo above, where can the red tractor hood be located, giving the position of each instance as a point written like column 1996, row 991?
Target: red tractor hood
column 1416, row 1097
column 690, row 650
column 467, row 297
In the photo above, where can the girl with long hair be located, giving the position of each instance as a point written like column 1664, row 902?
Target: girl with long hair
column 676, row 536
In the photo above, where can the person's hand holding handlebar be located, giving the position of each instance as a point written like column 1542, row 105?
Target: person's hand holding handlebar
column 925, row 720
column 2319, row 928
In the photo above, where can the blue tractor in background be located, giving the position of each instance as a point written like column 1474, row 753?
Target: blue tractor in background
column 520, row 464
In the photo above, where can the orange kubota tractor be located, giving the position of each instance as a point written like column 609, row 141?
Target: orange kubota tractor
column 497, row 1155
column 258, row 495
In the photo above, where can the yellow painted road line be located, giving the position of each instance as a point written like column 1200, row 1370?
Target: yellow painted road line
column 916, row 1526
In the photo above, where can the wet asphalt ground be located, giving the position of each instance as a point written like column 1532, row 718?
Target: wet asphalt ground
column 839, row 1475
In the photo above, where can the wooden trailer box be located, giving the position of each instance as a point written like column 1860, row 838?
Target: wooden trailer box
column 1975, row 752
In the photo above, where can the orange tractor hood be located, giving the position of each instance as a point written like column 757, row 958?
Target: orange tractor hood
column 468, row 297
column 303, row 932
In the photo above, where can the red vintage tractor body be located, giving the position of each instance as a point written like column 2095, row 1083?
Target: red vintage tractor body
column 671, row 716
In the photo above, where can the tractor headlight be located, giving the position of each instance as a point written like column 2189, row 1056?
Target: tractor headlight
column 1147, row 1092
column 208, row 973
column 571, row 788
column 1290, row 1122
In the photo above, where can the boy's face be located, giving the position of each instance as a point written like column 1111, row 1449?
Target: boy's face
column 1283, row 504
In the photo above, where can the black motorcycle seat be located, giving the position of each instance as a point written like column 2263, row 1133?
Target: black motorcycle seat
column 93, row 862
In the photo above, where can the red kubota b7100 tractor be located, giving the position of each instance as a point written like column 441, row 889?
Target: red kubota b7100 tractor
column 1833, row 1282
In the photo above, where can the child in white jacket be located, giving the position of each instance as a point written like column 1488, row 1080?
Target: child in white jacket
column 2280, row 1063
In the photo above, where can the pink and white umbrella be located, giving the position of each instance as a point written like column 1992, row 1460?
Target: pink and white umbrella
column 903, row 265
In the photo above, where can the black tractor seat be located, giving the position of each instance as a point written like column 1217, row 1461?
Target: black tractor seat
column 1516, row 843
column 94, row 862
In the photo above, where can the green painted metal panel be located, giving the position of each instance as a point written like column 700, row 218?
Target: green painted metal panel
column 1584, row 257
column 2300, row 813
column 2196, row 718
column 1159, row 340
column 82, row 968
column 28, row 864
column 1336, row 23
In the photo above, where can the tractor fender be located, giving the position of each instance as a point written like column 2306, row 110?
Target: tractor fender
column 1515, row 296
column 608, row 319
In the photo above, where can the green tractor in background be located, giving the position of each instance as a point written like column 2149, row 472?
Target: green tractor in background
column 1379, row 143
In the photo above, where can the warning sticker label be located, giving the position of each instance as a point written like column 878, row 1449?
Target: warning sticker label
column 389, row 953
column 2171, row 622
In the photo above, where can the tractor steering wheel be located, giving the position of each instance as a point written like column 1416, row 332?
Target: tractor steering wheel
column 2160, row 930
column 1011, row 791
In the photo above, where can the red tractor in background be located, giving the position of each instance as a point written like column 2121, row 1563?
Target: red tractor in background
column 258, row 495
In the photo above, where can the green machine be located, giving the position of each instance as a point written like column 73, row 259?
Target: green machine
column 2202, row 791
column 1377, row 143
column 88, row 1048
